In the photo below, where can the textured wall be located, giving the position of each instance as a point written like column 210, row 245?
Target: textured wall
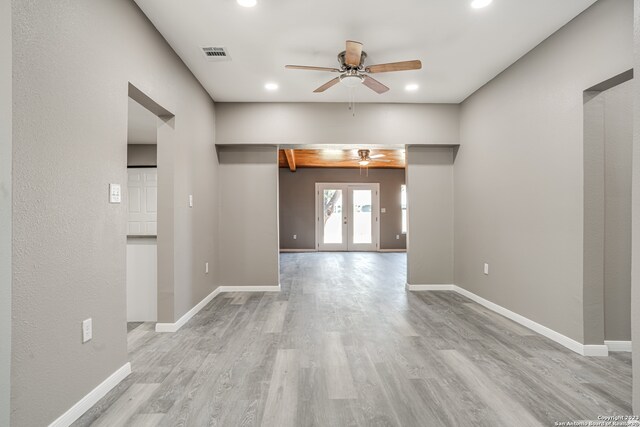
column 519, row 170
column 5, row 208
column 430, row 215
column 594, row 218
column 249, row 252
column 328, row 123
column 635, row 209
column 297, row 203
column 618, row 119
column 70, row 102
column 142, row 155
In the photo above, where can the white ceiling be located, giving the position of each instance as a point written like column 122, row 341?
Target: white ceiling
column 143, row 125
column 461, row 48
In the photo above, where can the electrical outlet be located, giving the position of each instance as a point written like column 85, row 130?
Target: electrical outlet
column 383, row 210
column 295, row 236
column 87, row 330
column 486, row 268
column 206, row 268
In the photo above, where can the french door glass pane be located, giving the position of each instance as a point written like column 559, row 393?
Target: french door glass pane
column 362, row 216
column 332, row 207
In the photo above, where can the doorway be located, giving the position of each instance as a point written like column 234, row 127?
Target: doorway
column 142, row 209
column 608, row 146
column 347, row 217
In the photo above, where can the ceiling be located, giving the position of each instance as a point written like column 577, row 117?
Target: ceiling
column 461, row 48
column 340, row 158
column 142, row 127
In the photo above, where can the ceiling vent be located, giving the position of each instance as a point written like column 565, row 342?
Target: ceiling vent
column 216, row 54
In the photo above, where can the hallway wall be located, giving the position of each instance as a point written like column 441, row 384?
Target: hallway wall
column 69, row 244
column 618, row 121
column 635, row 215
column 303, row 123
column 5, row 209
column 519, row 173
column 430, row 215
column 248, row 244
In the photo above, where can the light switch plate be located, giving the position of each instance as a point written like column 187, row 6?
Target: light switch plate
column 383, row 210
column 115, row 193
column 206, row 268
column 486, row 268
column 87, row 330
column 190, row 200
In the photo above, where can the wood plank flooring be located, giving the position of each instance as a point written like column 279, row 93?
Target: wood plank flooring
column 344, row 344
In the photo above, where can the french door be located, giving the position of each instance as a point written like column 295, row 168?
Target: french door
column 347, row 217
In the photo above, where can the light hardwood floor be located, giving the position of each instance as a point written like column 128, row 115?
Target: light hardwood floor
column 345, row 344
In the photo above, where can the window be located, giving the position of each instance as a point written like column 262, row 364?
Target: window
column 403, row 206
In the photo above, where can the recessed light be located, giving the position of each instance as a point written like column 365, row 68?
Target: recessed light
column 411, row 87
column 247, row 3
column 477, row 4
column 271, row 86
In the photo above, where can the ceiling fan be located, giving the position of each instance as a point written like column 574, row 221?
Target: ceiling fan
column 354, row 72
column 365, row 157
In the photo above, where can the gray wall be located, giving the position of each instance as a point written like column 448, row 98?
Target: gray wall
column 594, row 218
column 328, row 123
column 5, row 209
column 519, row 170
column 69, row 243
column 618, row 122
column 635, row 213
column 248, row 242
column 430, row 215
column 297, row 203
column 142, row 155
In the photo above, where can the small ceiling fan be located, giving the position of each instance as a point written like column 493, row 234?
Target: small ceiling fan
column 365, row 158
column 354, row 72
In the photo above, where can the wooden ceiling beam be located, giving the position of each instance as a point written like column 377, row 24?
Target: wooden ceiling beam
column 291, row 159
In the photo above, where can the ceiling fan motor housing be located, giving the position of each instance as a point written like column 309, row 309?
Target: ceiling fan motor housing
column 344, row 66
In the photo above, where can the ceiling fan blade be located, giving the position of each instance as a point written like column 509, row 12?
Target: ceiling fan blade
column 353, row 53
column 327, row 85
column 311, row 68
column 377, row 156
column 374, row 85
column 394, row 66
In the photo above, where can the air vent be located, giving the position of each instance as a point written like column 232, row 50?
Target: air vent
column 216, row 53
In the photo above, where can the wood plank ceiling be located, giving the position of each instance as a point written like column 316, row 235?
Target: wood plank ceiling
column 338, row 158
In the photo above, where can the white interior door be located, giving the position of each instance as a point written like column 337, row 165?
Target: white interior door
column 347, row 217
column 142, row 192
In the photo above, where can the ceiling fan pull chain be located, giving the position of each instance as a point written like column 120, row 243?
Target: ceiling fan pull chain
column 352, row 102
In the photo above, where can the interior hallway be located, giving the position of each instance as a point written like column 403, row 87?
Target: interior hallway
column 345, row 344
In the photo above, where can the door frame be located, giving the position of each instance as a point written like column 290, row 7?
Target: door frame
column 375, row 208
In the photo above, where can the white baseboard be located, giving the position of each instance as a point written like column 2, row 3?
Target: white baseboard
column 298, row 250
column 173, row 327
column 571, row 344
column 430, row 287
column 618, row 345
column 392, row 250
column 84, row 404
column 275, row 288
